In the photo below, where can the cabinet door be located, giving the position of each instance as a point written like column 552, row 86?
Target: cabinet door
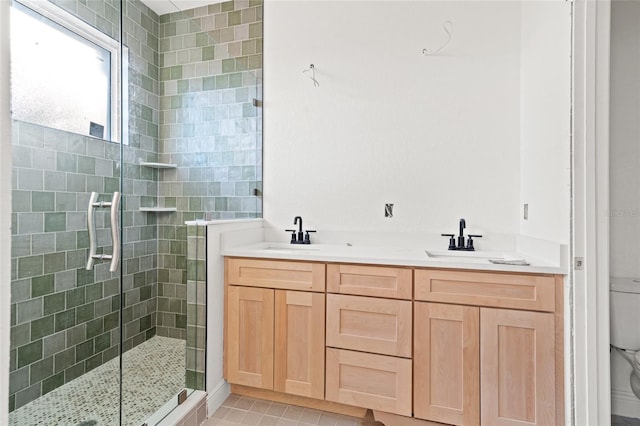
column 249, row 336
column 446, row 368
column 299, row 343
column 517, row 353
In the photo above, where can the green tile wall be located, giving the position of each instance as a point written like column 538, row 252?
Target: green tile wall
column 210, row 73
column 196, row 306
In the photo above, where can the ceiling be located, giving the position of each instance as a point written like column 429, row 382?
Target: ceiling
column 162, row 7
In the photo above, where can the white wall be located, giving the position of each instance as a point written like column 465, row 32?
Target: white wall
column 437, row 136
column 247, row 232
column 545, row 102
column 624, row 174
column 5, row 213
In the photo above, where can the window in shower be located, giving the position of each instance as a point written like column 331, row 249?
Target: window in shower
column 80, row 96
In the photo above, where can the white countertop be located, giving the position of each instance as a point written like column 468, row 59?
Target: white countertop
column 367, row 254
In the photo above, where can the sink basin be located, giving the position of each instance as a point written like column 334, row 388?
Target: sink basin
column 291, row 248
column 464, row 254
column 477, row 256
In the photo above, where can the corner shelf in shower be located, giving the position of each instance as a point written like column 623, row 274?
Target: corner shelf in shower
column 158, row 165
column 159, row 209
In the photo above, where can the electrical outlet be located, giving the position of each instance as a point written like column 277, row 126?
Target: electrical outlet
column 388, row 210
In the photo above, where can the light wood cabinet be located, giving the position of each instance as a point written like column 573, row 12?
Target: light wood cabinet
column 274, row 338
column 485, row 364
column 374, row 381
column 453, row 346
column 446, row 367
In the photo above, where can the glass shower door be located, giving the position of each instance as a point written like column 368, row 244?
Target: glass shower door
column 154, row 306
column 67, row 138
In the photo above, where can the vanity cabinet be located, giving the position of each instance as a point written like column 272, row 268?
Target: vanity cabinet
column 274, row 338
column 455, row 346
column 494, row 364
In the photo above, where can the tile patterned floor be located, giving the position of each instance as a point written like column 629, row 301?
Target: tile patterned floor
column 240, row 410
column 154, row 373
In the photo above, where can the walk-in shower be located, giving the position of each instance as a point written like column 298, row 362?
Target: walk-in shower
column 126, row 125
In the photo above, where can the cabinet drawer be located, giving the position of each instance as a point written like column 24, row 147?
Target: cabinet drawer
column 275, row 274
column 367, row 380
column 370, row 281
column 503, row 290
column 369, row 324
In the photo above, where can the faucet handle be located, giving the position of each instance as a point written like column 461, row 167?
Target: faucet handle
column 306, row 236
column 452, row 241
column 470, row 241
column 293, row 235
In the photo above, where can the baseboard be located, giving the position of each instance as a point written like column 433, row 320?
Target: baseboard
column 216, row 397
column 625, row 404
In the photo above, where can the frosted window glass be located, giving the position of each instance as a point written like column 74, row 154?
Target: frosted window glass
column 58, row 79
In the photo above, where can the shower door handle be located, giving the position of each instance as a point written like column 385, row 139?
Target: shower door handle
column 115, row 231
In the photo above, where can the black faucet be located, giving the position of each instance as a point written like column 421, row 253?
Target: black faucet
column 463, row 225
column 302, row 237
column 461, row 244
column 298, row 221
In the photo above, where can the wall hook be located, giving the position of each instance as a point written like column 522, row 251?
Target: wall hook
column 312, row 70
column 448, row 29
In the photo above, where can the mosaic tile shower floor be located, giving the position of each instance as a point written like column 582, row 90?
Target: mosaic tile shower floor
column 154, row 373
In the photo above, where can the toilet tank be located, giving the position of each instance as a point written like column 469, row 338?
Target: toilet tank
column 624, row 306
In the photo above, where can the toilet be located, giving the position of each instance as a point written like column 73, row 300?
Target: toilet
column 625, row 324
